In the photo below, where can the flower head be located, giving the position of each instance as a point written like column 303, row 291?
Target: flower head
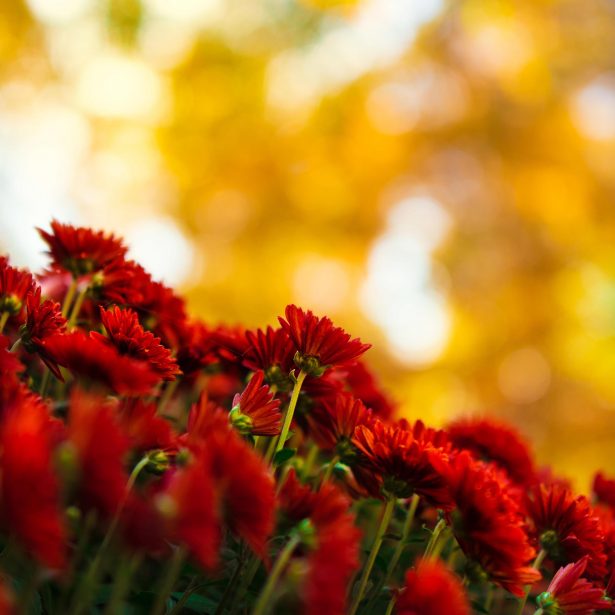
column 272, row 352
column 319, row 344
column 604, row 490
column 255, row 411
column 81, row 250
column 569, row 594
column 432, row 589
column 15, row 286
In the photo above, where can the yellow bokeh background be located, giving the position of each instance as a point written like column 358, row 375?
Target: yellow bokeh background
column 438, row 177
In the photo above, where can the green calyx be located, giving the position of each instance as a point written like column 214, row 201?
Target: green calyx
column 241, row 422
column 158, row 462
column 547, row 602
column 10, row 304
column 309, row 364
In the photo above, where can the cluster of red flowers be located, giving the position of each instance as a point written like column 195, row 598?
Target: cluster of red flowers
column 152, row 463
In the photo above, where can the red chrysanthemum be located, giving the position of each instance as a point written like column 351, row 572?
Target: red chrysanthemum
column 604, row 490
column 81, row 250
column 427, row 435
column 363, row 385
column 197, row 348
column 432, row 589
column 489, row 440
column 569, row 594
column 318, row 342
column 100, row 447
column 99, row 363
column 255, row 411
column 566, row 527
column 30, row 493
column 131, row 340
column 332, row 425
column 144, row 427
column 333, row 549
column 15, row 286
column 488, row 525
column 394, row 463
column 43, row 320
column 119, row 281
column 272, row 352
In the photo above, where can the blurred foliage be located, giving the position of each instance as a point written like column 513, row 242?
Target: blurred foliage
column 279, row 139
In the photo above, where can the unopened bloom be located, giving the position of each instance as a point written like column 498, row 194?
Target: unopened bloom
column 318, row 342
column 255, row 411
column 432, row 589
column 569, row 594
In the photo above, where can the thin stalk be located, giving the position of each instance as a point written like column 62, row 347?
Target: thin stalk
column 74, row 313
column 168, row 581
column 16, row 345
column 263, row 602
column 329, row 469
column 68, row 297
column 310, row 458
column 401, row 544
column 288, row 417
column 3, row 319
column 432, row 550
column 367, row 569
column 246, row 579
column 167, row 394
column 489, row 598
column 537, row 564
column 126, row 569
column 179, row 605
column 44, row 382
column 229, row 588
column 391, row 605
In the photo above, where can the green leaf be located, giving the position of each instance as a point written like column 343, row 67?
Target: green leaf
column 282, row 456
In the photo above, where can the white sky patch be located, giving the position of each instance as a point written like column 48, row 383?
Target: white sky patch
column 399, row 292
column 593, row 108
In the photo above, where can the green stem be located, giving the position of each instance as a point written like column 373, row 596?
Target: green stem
column 405, row 532
column 74, row 313
column 310, row 458
column 68, row 297
column 167, row 395
column 169, row 580
column 126, row 569
column 263, row 602
column 367, row 569
column 246, row 580
column 16, row 345
column 391, row 605
column 489, row 597
column 537, row 564
column 329, row 470
column 44, row 382
column 179, row 605
column 3, row 319
column 432, row 550
column 288, row 417
column 29, row 591
column 229, row 588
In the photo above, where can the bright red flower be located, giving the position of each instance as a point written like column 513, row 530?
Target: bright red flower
column 427, row 435
column 332, row 426
column 488, row 525
column 256, row 411
column 566, row 527
column 272, row 352
column 100, row 447
column 15, row 286
column 432, row 589
column 130, row 339
column 333, row 547
column 363, row 385
column 569, row 594
column 489, row 440
column 30, row 494
column 81, row 250
column 604, row 489
column 43, row 320
column 99, row 363
column 119, row 281
column 393, row 462
column 318, row 342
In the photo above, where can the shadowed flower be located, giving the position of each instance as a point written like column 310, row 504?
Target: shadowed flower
column 604, row 490
column 144, row 427
column 364, row 386
column 130, row 339
column 569, row 594
column 15, row 286
column 30, row 494
column 319, row 344
column 100, row 364
column 566, row 527
column 81, row 250
column 489, row 440
column 488, row 525
column 256, row 411
column 432, row 589
column 272, row 352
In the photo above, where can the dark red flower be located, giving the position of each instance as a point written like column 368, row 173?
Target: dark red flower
column 489, row 440
column 15, row 286
column 272, row 352
column 363, row 384
column 256, row 411
column 131, row 340
column 332, row 425
column 604, row 489
column 331, row 539
column 30, row 493
column 427, row 435
column 318, row 342
column 119, row 281
column 144, row 427
column 99, row 363
column 81, row 250
column 488, row 525
column 100, row 447
column 569, row 594
column 197, row 348
column 394, row 463
column 43, row 320
column 566, row 527
column 432, row 589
